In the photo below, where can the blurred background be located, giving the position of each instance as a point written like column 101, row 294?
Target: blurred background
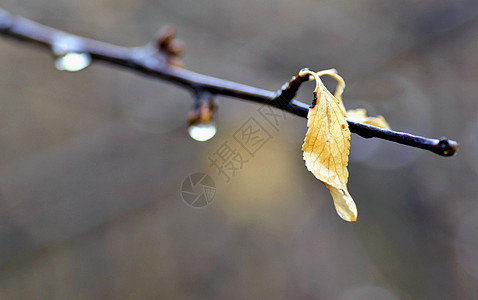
column 91, row 163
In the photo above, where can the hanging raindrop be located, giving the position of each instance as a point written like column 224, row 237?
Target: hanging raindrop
column 202, row 132
column 201, row 125
column 73, row 61
column 68, row 53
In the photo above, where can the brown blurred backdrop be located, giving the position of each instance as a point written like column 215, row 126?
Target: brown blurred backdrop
column 91, row 163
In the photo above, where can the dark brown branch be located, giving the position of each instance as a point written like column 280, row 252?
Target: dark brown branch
column 152, row 60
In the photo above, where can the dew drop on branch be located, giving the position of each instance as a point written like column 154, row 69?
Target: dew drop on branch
column 70, row 54
column 202, row 132
column 73, row 61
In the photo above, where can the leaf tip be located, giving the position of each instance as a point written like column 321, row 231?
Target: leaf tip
column 348, row 215
column 344, row 204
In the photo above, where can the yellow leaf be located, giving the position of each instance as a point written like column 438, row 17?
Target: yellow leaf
column 360, row 115
column 327, row 143
column 339, row 89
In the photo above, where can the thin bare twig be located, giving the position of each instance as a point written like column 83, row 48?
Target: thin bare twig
column 154, row 60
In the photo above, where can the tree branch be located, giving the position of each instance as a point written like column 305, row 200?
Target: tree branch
column 156, row 60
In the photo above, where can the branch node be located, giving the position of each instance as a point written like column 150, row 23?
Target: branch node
column 203, row 109
column 166, row 43
column 288, row 91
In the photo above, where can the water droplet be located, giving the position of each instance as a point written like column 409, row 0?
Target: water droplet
column 73, row 61
column 202, row 132
column 70, row 53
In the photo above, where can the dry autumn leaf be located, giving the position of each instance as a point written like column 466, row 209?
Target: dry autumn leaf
column 360, row 115
column 327, row 143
